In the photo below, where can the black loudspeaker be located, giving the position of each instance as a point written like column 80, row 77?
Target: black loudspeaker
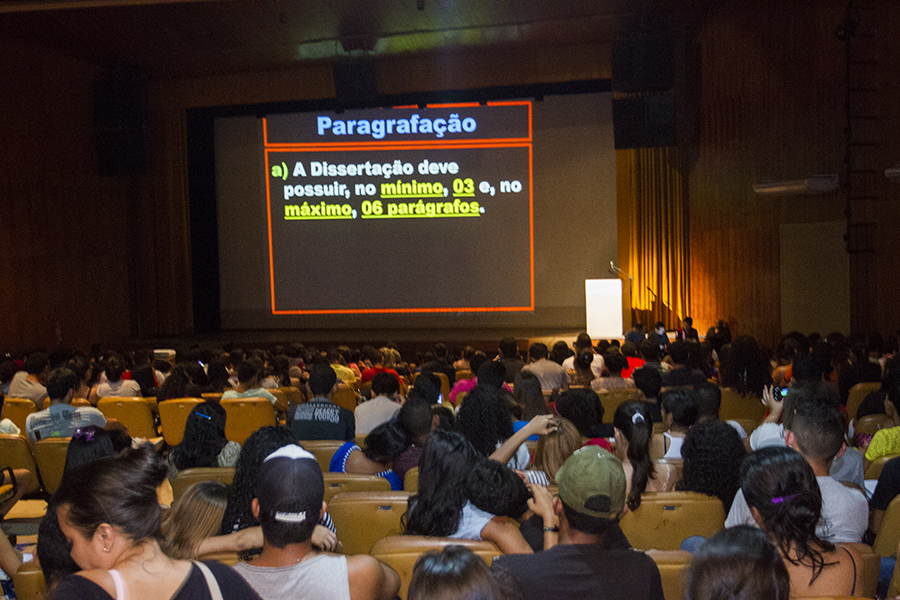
column 644, row 121
column 354, row 82
column 120, row 121
column 643, row 64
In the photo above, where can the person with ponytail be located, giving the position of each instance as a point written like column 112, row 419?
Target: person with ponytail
column 781, row 489
column 633, row 430
column 110, row 515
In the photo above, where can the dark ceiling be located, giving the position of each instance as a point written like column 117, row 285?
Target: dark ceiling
column 179, row 38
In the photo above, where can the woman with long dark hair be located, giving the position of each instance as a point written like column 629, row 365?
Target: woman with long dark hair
column 204, row 443
column 712, row 453
column 442, row 508
column 745, row 367
column 633, row 430
column 485, row 420
column 781, row 490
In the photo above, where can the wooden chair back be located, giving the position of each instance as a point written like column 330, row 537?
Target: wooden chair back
column 294, row 395
column 17, row 410
column 173, row 415
column 50, row 458
column 133, row 413
column 888, row 536
column 345, row 396
column 857, row 394
column 613, row 398
column 873, row 471
column 665, row 519
column 15, row 451
column 673, row 566
column 400, row 552
column 346, row 482
column 870, row 424
column 363, row 518
column 871, row 569
column 243, row 416
column 281, row 401
column 188, row 477
column 29, row 582
column 323, row 450
column 411, row 480
column 214, row 396
column 737, row 406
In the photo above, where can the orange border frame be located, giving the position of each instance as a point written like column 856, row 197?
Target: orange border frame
column 411, row 145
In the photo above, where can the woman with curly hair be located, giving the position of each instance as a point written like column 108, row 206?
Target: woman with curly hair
column 712, row 453
column 204, row 443
column 784, row 498
column 485, row 420
column 178, row 384
column 442, row 508
column 633, row 429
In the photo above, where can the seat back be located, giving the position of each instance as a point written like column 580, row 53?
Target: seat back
column 29, row 582
column 445, row 383
column 673, row 566
column 873, row 471
column 665, row 519
column 215, row 396
column 400, row 552
column 133, row 413
column 346, row 482
column 17, row 410
column 363, row 518
column 345, row 396
column 15, row 451
column 737, row 406
column 411, row 480
column 173, row 415
column 462, row 374
column 894, row 588
column 871, row 569
column 888, row 536
column 188, row 477
column 323, row 450
column 50, row 458
column 245, row 415
column 281, row 401
column 613, row 398
column 857, row 394
column 293, row 394
column 870, row 424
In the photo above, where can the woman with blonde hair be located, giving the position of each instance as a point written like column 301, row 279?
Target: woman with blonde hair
column 195, row 516
column 552, row 451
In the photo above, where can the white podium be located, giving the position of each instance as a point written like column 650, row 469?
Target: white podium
column 603, row 307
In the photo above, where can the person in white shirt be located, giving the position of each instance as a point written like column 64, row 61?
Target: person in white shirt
column 584, row 341
column 552, row 375
column 61, row 419
column 383, row 407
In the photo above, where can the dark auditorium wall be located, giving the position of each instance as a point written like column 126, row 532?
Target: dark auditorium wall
column 65, row 232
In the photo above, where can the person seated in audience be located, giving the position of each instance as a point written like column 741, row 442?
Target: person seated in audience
column 380, row 364
column 633, row 430
column 485, row 420
column 782, row 492
column 559, row 352
column 384, row 444
column 584, row 409
column 709, row 399
column 463, row 364
column 289, row 502
column 815, row 429
column 109, row 512
column 204, row 443
column 509, row 355
column 860, row 368
column 383, row 407
column 439, row 363
column 217, row 376
column 441, row 507
column 581, row 375
column 659, row 338
column 418, row 421
column 343, row 372
column 736, row 563
column 679, row 413
column 637, row 333
column 887, row 439
column 553, row 448
column 277, row 372
column 632, row 355
column 530, row 399
column 116, row 385
column 712, row 453
column 320, row 419
column 84, row 371
column 552, row 375
column 787, row 349
column 240, row 528
column 650, row 352
column 681, row 373
column 248, row 374
column 143, row 374
column 8, row 370
column 30, row 382
column 193, row 517
column 177, row 384
column 491, row 373
column 615, row 364
column 584, row 342
column 455, row 573
column 745, row 367
column 649, row 381
column 886, row 490
column 686, row 332
column 582, row 564
column 61, row 419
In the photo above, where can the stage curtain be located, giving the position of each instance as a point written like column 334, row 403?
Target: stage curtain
column 653, row 221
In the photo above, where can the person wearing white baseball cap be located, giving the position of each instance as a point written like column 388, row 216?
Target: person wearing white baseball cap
column 288, row 505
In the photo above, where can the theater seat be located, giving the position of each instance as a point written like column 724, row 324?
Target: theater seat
column 15, row 451
column 323, row 450
column 411, row 480
column 871, row 568
column 188, row 477
column 133, row 413
column 857, row 394
column 346, row 397
column 870, row 424
column 873, row 471
column 17, row 411
column 226, row 558
column 665, row 519
column 737, row 406
column 611, row 399
column 400, row 552
column 245, row 415
column 173, row 415
column 336, row 483
column 50, row 458
column 673, row 566
column 363, row 518
column 29, row 582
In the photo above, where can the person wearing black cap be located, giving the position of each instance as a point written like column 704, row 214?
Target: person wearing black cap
column 319, row 419
column 585, row 564
column 289, row 503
